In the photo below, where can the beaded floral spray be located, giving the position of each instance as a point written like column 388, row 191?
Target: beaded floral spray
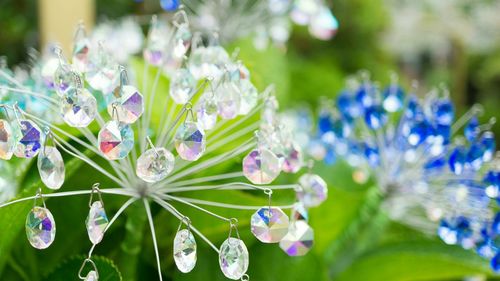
column 430, row 175
column 212, row 109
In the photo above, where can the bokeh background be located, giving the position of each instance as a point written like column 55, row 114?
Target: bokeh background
column 435, row 42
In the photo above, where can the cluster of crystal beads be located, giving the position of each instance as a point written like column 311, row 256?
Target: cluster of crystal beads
column 78, row 107
column 269, row 226
column 261, row 166
column 190, row 141
column 155, row 164
column 299, row 239
column 208, row 62
column 96, row 222
column 313, row 190
column 128, row 103
column 40, row 228
column 7, row 140
column 233, row 258
column 115, row 140
column 30, row 141
column 185, row 250
column 51, row 167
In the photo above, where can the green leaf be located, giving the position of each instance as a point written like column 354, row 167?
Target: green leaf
column 106, row 268
column 418, row 260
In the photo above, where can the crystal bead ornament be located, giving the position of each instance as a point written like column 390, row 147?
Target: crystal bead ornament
column 128, row 103
column 30, row 142
column 96, row 222
column 155, row 164
column 182, row 86
column 299, row 239
column 40, row 228
column 65, row 78
column 51, row 167
column 249, row 97
column 156, row 43
column 185, row 251
column 292, row 157
column 313, row 190
column 48, row 70
column 228, row 100
column 269, row 226
column 78, row 108
column 102, row 73
column 206, row 111
column 208, row 61
column 261, row 166
column 7, row 140
column 233, row 258
column 115, row 140
column 81, row 47
column 182, row 41
column 190, row 141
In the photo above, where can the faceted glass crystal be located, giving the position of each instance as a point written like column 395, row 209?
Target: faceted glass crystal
column 269, row 227
column 92, row 276
column 65, row 78
column 81, row 51
column 29, row 144
column 233, row 258
column 156, row 44
column 261, row 166
column 102, row 73
column 292, row 159
column 313, row 190
column 299, row 240
column 115, row 140
column 51, row 167
column 40, row 228
column 190, row 141
column 206, row 112
column 7, row 140
column 185, row 251
column 208, row 62
column 182, row 86
column 249, row 97
column 182, row 41
column 228, row 100
column 128, row 102
column 78, row 108
column 49, row 68
column 96, row 222
column 155, row 164
column 299, row 212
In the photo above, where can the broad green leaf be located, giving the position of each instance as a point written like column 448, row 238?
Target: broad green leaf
column 68, row 270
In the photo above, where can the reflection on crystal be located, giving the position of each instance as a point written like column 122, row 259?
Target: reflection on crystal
column 81, row 52
column 190, row 141
column 324, row 25
column 293, row 159
column 102, row 72
column 313, row 190
column 182, row 86
column 269, row 227
column 29, row 144
column 7, row 140
column 156, row 43
column 96, row 222
column 128, row 102
column 228, row 100
column 249, row 97
column 299, row 212
column 208, row 62
column 182, row 41
column 65, row 79
column 299, row 240
column 115, row 140
column 185, row 251
column 261, row 166
column 155, row 164
column 40, row 228
column 78, row 108
column 206, row 111
column 51, row 167
column 233, row 258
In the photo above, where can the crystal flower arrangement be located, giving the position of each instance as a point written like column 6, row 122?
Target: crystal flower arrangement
column 431, row 176
column 212, row 109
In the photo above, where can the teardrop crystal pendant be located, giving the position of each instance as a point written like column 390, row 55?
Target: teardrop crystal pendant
column 92, row 276
column 7, row 140
column 228, row 100
column 78, row 108
column 182, row 86
column 233, row 258
column 51, row 167
column 190, row 141
column 185, row 251
column 299, row 240
column 29, row 144
column 206, row 111
column 115, row 140
column 155, row 164
column 81, row 46
column 261, row 166
column 292, row 159
column 313, row 190
column 65, row 78
column 96, row 222
column 154, row 51
column 269, row 226
column 128, row 102
column 182, row 41
column 40, row 228
column 102, row 72
column 249, row 97
column 49, row 68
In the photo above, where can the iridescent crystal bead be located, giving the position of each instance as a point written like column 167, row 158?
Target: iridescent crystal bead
column 261, row 166
column 155, row 164
column 96, row 222
column 185, row 251
column 102, row 73
column 182, row 86
column 249, row 97
column 29, row 144
column 51, row 167
column 208, row 62
column 115, row 140
column 269, row 226
column 233, row 258
column 40, row 228
column 299, row 212
column 190, row 141
column 80, row 58
column 92, row 276
column 65, row 78
column 48, row 70
column 292, row 159
column 128, row 102
column 182, row 41
column 313, row 190
column 156, row 44
column 78, row 108
column 324, row 25
column 228, row 100
column 7, row 140
column 299, row 240
column 206, row 111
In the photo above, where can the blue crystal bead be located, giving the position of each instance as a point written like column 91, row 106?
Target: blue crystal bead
column 435, row 164
column 169, row 5
column 457, row 160
column 348, row 106
column 375, row 117
column 489, row 145
column 324, row 123
column 30, row 142
column 475, row 156
column 416, row 132
column 495, row 225
column 365, row 95
column 372, row 155
column 393, row 98
column 495, row 262
column 413, row 109
column 455, row 231
column 444, row 113
column 471, row 130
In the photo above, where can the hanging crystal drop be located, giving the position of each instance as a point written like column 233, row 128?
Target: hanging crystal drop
column 208, row 62
column 7, row 140
column 115, row 140
column 51, row 167
column 48, row 71
column 299, row 212
column 182, row 86
column 261, row 166
column 190, row 141
column 156, row 43
column 313, row 190
column 81, row 47
column 66, row 79
column 96, row 222
column 182, row 41
column 299, row 240
column 185, row 251
column 155, row 164
column 92, row 276
column 292, row 159
column 129, row 104
column 29, row 144
column 78, row 108
column 228, row 100
column 102, row 72
column 249, row 97
column 324, row 25
column 233, row 258
column 269, row 227
column 40, row 228
column 206, row 111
